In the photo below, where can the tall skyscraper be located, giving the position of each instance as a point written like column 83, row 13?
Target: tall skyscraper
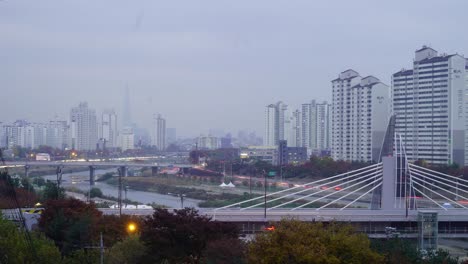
column 83, row 127
column 430, row 103
column 109, row 128
column 274, row 123
column 360, row 114
column 126, row 115
column 158, row 138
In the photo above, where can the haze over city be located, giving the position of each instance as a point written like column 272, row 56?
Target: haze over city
column 205, row 64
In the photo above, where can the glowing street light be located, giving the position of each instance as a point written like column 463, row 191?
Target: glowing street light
column 131, row 228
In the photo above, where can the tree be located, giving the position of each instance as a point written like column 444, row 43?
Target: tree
column 397, row 251
column 71, row 223
column 14, row 247
column 95, row 192
column 130, row 250
column 52, row 191
column 182, row 236
column 294, row 241
column 400, row 251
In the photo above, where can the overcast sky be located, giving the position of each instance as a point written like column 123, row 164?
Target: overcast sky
column 206, row 64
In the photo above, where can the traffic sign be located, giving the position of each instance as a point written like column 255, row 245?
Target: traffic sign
column 272, row 173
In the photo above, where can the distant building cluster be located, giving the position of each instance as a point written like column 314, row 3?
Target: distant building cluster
column 429, row 102
column 308, row 128
column 83, row 131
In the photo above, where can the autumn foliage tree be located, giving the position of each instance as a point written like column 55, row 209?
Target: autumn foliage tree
column 183, row 236
column 294, row 241
column 71, row 223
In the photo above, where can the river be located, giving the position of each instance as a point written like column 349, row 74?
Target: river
column 80, row 180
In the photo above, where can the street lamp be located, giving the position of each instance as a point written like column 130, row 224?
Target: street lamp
column 131, row 228
column 181, row 196
column 265, row 197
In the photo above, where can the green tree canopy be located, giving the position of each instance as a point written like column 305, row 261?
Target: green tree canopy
column 71, row 223
column 294, row 241
column 14, row 248
column 182, row 236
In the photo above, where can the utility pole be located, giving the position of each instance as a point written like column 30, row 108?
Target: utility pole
column 265, row 197
column 102, row 249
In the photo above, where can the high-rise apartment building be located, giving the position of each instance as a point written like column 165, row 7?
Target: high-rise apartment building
column 83, row 126
column 275, row 115
column 127, row 139
column 16, row 135
column 360, row 114
column 57, row 134
column 430, row 103
column 158, row 137
column 109, row 128
column 171, row 135
column 208, row 142
column 315, row 126
column 292, row 128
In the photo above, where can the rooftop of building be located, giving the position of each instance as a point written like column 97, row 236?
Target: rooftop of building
column 424, row 47
column 436, row 59
column 403, row 72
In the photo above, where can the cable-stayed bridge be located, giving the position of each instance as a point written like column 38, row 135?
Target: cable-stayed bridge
column 390, row 195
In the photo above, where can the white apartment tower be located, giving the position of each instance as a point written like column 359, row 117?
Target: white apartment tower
column 127, row 139
column 109, row 128
column 275, row 115
column 83, row 125
column 158, row 137
column 315, row 126
column 292, row 128
column 360, row 114
column 57, row 134
column 430, row 103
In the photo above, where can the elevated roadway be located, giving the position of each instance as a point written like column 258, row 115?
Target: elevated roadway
column 93, row 164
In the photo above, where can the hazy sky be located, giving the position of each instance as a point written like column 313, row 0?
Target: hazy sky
column 206, row 64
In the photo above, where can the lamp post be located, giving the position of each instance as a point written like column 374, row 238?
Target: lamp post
column 181, row 196
column 265, row 198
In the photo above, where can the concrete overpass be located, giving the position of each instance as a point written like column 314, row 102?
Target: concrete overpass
column 93, row 165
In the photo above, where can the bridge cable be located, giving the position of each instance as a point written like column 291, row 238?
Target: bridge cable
column 440, row 173
column 320, row 198
column 425, row 174
column 369, row 168
column 373, row 188
column 353, row 192
column 312, row 194
column 318, row 186
column 439, row 193
column 425, row 195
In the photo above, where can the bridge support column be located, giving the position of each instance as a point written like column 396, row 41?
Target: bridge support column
column 388, row 183
column 26, row 171
column 91, row 175
column 154, row 170
column 122, row 173
column 59, row 175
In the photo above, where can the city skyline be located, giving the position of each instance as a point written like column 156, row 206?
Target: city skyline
column 187, row 61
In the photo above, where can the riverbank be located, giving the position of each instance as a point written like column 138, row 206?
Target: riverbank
column 211, row 194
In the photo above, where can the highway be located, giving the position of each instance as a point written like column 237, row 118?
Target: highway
column 92, row 163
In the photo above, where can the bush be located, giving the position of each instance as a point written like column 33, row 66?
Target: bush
column 259, row 184
column 95, row 192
